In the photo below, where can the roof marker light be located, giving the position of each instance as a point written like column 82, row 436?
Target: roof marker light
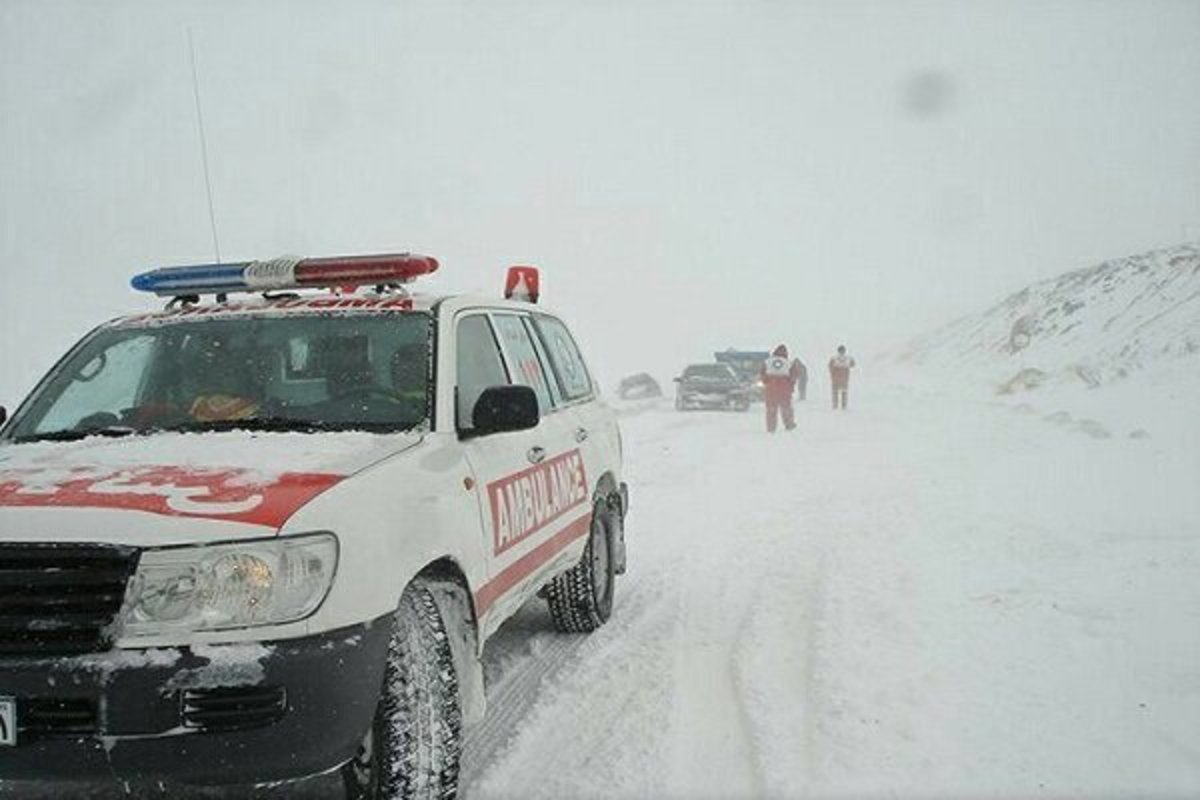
column 522, row 284
column 287, row 272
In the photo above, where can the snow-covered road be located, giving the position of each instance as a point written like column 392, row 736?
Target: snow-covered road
column 922, row 596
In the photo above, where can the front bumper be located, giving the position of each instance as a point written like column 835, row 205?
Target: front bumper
column 225, row 714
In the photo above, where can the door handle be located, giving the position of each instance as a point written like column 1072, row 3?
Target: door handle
column 536, row 455
column 581, row 435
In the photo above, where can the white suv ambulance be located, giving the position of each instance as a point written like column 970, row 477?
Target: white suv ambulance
column 266, row 537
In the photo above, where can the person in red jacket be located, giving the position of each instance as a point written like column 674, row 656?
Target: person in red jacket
column 778, row 375
column 839, row 377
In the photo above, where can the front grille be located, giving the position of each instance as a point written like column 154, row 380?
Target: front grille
column 233, row 708
column 51, row 717
column 60, row 600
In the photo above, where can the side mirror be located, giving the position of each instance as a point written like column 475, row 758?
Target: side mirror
column 502, row 409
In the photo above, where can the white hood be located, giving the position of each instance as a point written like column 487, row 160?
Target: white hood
column 175, row 488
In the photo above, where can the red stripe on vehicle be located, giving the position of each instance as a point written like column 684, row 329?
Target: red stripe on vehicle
column 236, row 495
column 529, row 563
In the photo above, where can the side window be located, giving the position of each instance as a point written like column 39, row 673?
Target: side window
column 564, row 356
column 479, row 364
column 531, row 329
column 525, row 362
column 103, row 385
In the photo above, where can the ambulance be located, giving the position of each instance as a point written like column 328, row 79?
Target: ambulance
column 263, row 533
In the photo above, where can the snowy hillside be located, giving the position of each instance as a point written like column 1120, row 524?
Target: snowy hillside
column 1098, row 325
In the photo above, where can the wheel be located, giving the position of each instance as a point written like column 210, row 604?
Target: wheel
column 743, row 405
column 413, row 747
column 581, row 598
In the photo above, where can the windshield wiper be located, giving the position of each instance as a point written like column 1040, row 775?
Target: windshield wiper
column 281, row 424
column 288, row 425
column 75, row 434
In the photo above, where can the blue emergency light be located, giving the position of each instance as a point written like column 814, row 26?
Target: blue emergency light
column 199, row 279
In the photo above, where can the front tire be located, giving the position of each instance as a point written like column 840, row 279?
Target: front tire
column 413, row 748
column 581, row 598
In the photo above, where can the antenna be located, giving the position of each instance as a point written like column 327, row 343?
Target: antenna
column 212, row 217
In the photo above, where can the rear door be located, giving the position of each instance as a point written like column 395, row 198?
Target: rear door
column 531, row 484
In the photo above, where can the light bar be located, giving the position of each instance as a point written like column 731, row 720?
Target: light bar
column 284, row 273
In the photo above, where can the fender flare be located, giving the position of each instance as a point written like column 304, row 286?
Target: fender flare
column 448, row 584
column 607, row 490
column 616, row 498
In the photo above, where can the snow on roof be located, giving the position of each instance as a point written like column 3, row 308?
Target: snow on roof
column 323, row 303
column 284, row 305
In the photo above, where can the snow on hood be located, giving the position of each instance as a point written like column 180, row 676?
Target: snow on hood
column 250, row 479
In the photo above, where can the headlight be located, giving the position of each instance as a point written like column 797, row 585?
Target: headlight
column 237, row 585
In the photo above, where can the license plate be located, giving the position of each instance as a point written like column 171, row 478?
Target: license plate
column 8, row 722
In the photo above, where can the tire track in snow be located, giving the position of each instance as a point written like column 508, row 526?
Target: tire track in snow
column 512, row 697
column 587, row 722
column 713, row 753
column 776, row 668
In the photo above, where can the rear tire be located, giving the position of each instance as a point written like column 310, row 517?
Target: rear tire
column 413, row 748
column 581, row 598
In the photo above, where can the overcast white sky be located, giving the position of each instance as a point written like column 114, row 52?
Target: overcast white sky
column 689, row 175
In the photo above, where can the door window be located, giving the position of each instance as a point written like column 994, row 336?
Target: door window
column 524, row 361
column 479, row 365
column 531, row 329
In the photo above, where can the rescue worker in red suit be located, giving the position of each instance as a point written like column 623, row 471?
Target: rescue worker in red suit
column 839, row 377
column 779, row 374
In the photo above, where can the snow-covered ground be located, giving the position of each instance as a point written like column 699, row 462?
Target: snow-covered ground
column 938, row 592
column 924, row 596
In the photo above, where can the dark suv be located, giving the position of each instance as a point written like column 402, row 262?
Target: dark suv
column 711, row 386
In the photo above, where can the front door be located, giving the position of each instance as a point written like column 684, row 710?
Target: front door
column 532, row 488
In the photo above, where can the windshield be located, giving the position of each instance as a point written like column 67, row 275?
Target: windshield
column 295, row 373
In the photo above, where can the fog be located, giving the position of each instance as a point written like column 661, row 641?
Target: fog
column 689, row 175
column 979, row 579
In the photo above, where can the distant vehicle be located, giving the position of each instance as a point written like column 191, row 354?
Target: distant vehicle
column 747, row 364
column 641, row 386
column 711, row 386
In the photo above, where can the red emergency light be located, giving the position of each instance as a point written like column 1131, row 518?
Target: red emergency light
column 363, row 270
column 522, row 284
